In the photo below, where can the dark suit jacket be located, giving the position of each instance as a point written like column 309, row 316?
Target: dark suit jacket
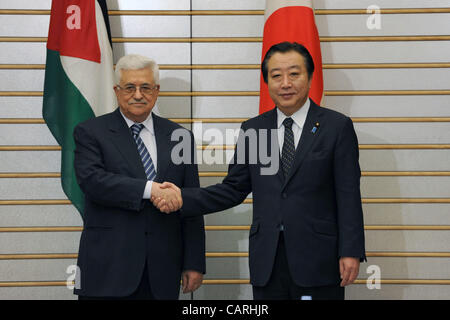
column 121, row 230
column 319, row 204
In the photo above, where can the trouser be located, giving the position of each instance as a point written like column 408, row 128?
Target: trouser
column 282, row 287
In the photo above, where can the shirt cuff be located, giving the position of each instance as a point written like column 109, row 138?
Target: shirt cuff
column 148, row 190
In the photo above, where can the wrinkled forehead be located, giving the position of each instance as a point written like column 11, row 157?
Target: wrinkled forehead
column 134, row 76
column 286, row 61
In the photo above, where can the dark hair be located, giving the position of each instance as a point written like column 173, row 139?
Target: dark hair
column 284, row 47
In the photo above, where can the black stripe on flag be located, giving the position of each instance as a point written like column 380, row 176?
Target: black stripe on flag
column 104, row 7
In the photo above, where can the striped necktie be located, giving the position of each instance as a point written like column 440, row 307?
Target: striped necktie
column 143, row 152
column 288, row 152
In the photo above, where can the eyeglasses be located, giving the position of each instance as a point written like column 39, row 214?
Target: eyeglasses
column 129, row 90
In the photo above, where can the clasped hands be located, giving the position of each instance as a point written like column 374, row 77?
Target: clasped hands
column 166, row 197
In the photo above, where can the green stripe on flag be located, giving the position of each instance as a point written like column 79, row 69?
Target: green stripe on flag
column 63, row 108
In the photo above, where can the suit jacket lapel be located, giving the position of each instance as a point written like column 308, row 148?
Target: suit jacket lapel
column 272, row 124
column 163, row 147
column 307, row 139
column 126, row 145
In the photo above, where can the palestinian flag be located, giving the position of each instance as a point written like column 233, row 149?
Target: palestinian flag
column 79, row 77
column 293, row 21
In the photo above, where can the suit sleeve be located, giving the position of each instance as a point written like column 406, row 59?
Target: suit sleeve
column 347, row 174
column 193, row 227
column 231, row 192
column 99, row 185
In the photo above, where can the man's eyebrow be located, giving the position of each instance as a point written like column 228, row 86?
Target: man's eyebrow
column 274, row 69
column 295, row 66
column 133, row 84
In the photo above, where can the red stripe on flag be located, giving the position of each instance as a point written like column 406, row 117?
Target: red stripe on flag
column 293, row 24
column 73, row 29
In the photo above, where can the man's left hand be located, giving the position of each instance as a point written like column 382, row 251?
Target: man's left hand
column 191, row 280
column 349, row 269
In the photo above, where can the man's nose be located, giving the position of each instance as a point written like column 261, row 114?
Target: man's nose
column 137, row 94
column 286, row 82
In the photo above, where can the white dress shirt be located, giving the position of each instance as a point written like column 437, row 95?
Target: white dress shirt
column 148, row 137
column 299, row 118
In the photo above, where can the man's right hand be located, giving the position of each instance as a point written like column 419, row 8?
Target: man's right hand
column 166, row 197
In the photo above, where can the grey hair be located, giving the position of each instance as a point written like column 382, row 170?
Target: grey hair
column 135, row 62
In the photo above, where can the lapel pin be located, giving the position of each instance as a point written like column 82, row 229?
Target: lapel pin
column 315, row 127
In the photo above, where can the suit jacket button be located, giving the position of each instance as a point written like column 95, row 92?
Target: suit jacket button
column 284, row 195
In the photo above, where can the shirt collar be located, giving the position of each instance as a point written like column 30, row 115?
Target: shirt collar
column 148, row 123
column 299, row 116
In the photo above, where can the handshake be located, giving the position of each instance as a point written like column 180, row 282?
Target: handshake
column 166, row 197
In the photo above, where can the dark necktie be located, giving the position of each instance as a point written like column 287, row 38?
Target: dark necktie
column 288, row 152
column 143, row 152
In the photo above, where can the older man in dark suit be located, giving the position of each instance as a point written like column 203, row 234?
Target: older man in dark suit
column 307, row 234
column 129, row 249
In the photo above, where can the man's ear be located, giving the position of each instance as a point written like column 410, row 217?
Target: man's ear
column 116, row 90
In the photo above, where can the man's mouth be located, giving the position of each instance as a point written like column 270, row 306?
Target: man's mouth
column 286, row 95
